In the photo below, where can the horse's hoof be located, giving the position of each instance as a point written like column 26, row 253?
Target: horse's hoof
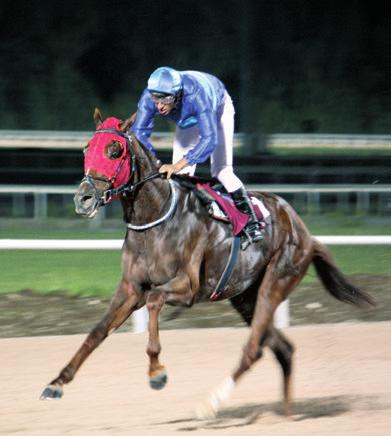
column 52, row 392
column 158, row 381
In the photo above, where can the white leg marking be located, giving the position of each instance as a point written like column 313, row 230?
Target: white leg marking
column 209, row 408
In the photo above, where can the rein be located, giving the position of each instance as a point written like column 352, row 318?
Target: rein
column 127, row 187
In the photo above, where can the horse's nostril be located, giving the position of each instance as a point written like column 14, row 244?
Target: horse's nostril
column 86, row 197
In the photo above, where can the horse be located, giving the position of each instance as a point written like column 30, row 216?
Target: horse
column 174, row 253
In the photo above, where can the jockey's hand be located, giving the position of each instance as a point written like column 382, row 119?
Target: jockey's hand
column 168, row 169
column 171, row 169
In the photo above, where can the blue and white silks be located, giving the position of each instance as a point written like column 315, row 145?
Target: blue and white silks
column 201, row 104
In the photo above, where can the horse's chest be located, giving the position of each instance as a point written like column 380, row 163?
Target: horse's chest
column 160, row 266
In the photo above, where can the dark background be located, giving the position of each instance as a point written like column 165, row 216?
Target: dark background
column 291, row 66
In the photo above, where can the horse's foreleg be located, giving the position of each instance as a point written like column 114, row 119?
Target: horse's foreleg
column 125, row 300
column 157, row 372
column 176, row 290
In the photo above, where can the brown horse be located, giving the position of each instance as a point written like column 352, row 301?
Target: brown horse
column 175, row 253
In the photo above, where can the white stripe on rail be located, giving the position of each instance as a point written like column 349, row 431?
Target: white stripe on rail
column 355, row 240
column 61, row 244
column 115, row 244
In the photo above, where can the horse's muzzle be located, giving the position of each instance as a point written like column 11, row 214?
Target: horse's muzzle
column 87, row 200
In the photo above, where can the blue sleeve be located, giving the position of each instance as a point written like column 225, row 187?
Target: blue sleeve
column 144, row 123
column 207, row 125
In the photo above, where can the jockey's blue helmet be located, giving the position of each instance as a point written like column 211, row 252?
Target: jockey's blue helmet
column 165, row 80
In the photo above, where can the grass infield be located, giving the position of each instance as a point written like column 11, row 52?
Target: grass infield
column 97, row 273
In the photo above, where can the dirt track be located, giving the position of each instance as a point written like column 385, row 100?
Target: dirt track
column 342, row 385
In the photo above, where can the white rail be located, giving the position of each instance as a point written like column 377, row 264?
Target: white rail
column 115, row 244
column 291, row 188
column 78, row 139
column 60, row 244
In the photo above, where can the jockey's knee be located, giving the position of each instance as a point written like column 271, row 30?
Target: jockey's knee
column 227, row 178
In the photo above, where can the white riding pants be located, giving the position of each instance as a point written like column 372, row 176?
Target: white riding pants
column 222, row 157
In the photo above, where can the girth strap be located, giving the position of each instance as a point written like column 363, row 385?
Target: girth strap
column 233, row 256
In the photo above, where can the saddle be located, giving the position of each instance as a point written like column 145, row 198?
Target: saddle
column 221, row 207
column 219, row 203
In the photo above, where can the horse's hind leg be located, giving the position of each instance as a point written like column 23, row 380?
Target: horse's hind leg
column 278, row 343
column 124, row 301
column 280, row 278
column 283, row 351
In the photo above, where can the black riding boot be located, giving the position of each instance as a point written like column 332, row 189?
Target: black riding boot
column 243, row 203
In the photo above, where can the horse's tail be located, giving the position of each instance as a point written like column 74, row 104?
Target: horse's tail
column 335, row 282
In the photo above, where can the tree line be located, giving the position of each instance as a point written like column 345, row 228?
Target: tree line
column 290, row 65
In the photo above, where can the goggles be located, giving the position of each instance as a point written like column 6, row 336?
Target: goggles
column 158, row 97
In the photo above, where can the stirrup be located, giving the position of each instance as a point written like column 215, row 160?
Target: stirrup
column 256, row 236
column 244, row 244
column 247, row 238
column 254, row 231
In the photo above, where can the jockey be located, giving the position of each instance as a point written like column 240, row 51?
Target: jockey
column 202, row 109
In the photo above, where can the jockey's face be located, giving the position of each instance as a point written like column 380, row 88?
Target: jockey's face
column 164, row 108
column 164, row 103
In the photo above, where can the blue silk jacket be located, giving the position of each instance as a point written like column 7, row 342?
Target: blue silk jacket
column 201, row 104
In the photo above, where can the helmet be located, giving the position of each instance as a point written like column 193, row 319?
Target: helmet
column 165, row 80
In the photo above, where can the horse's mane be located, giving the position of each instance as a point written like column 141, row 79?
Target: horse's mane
column 188, row 180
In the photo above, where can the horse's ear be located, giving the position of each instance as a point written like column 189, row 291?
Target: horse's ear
column 128, row 123
column 98, row 119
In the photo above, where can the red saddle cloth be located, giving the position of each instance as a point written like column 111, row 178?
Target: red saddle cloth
column 237, row 219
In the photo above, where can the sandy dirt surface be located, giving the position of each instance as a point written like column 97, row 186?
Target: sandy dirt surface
column 342, row 384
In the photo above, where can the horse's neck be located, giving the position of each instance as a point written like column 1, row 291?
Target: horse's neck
column 149, row 200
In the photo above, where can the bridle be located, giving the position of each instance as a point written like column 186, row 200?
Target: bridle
column 112, row 192
column 128, row 186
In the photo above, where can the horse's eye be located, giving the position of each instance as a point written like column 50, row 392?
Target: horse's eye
column 114, row 150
